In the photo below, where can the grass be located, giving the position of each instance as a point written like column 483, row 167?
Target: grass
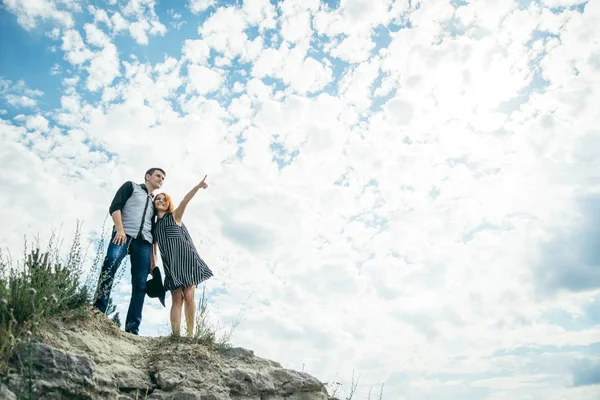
column 333, row 387
column 209, row 334
column 40, row 286
column 212, row 335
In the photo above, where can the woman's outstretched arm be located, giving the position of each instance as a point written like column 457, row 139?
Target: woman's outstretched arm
column 178, row 213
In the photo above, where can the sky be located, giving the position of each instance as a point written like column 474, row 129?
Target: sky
column 404, row 189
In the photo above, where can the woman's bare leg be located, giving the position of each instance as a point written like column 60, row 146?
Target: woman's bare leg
column 176, row 303
column 190, row 309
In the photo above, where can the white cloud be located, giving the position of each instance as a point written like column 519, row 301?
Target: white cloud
column 95, row 36
column 101, row 15
column 20, row 101
column 103, row 68
column 204, row 80
column 119, row 23
column 562, row 3
column 198, row 6
column 29, row 13
column 29, row 169
column 175, row 15
column 261, row 13
column 55, row 70
column 354, row 48
column 356, row 17
column 238, row 87
column 224, row 32
column 104, row 65
column 54, row 34
column 75, row 50
column 296, row 28
column 356, row 84
column 138, row 31
column 146, row 21
column 176, row 22
column 36, row 123
column 197, row 51
column 71, row 81
column 241, row 107
column 222, row 62
column 301, row 72
column 18, row 94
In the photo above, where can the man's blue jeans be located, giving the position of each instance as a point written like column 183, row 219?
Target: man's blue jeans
column 139, row 254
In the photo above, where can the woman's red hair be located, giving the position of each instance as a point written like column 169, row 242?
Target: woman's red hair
column 168, row 202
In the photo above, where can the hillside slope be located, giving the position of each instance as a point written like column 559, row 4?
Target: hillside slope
column 90, row 358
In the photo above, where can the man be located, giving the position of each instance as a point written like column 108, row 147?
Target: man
column 132, row 210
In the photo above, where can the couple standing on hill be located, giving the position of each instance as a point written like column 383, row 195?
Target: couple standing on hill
column 144, row 223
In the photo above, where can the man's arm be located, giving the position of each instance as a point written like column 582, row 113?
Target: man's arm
column 178, row 213
column 116, row 206
column 121, row 197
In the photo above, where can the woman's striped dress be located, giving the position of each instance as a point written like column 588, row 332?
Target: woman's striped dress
column 182, row 263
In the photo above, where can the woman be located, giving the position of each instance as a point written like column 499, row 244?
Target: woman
column 184, row 269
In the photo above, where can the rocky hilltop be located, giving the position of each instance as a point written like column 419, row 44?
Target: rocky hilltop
column 90, row 358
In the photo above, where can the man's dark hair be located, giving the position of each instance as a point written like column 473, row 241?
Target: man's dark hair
column 151, row 171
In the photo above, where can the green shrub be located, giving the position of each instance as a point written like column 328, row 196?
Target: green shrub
column 39, row 287
column 214, row 336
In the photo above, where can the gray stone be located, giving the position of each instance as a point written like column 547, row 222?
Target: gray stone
column 6, row 394
column 44, row 357
column 194, row 378
column 158, row 395
column 58, row 385
column 41, row 356
column 248, row 383
column 236, row 352
column 185, row 396
column 131, row 378
column 308, row 396
column 168, row 379
column 239, row 353
column 296, row 381
column 103, row 379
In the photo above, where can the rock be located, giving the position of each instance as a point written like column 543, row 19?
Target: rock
column 129, row 378
column 168, row 379
column 238, row 352
column 6, row 394
column 104, row 379
column 45, row 357
column 185, row 396
column 295, row 381
column 56, row 373
column 245, row 355
column 247, row 383
column 159, row 395
column 307, row 396
column 97, row 361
